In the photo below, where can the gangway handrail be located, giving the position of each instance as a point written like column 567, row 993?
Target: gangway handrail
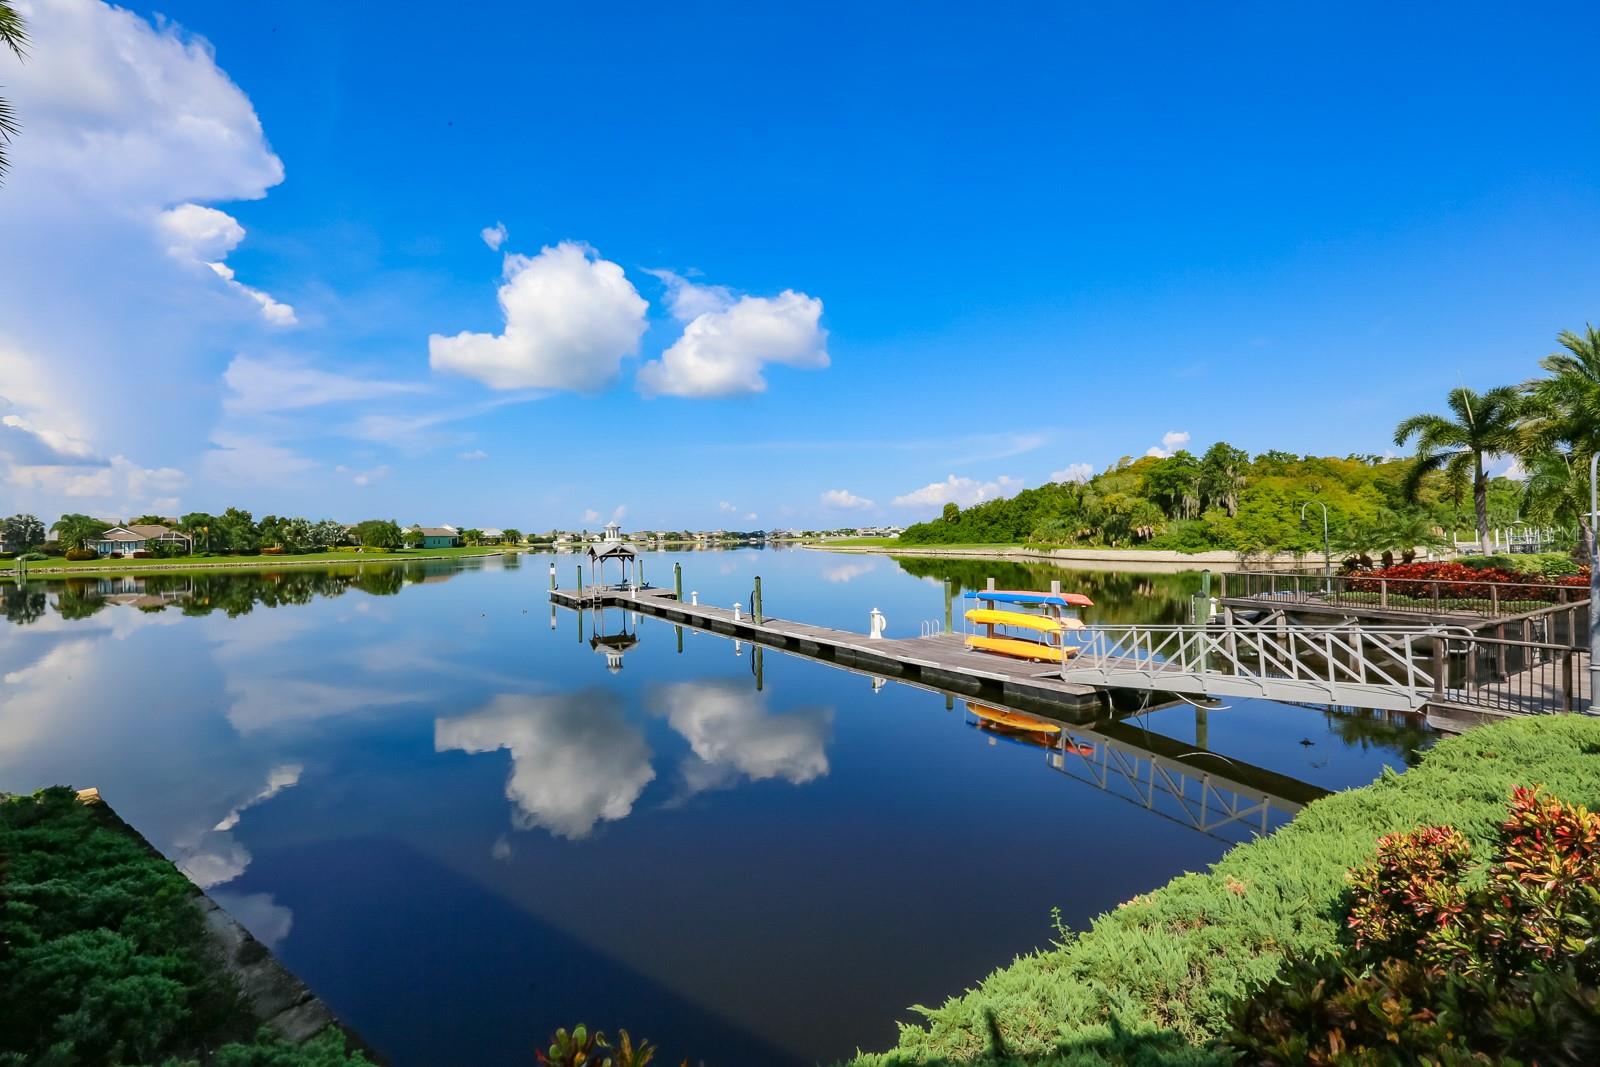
column 1376, row 664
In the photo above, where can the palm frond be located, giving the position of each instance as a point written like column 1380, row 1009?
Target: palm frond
column 1423, row 466
column 13, row 33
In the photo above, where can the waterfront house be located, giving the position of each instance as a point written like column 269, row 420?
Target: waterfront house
column 490, row 536
column 140, row 537
column 439, row 536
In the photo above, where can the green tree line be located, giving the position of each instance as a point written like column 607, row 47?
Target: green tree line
column 1227, row 499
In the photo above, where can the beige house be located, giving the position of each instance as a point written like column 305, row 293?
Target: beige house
column 125, row 540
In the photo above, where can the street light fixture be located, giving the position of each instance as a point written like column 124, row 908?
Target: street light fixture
column 1327, row 548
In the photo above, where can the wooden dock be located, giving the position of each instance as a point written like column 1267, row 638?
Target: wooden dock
column 942, row 661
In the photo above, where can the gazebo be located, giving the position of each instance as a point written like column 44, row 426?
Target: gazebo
column 613, row 548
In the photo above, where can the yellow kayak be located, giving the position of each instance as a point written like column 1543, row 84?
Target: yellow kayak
column 1015, row 646
column 1021, row 619
column 1012, row 720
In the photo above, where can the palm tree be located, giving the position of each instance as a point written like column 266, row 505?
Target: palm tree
column 1480, row 424
column 1557, row 490
column 15, row 37
column 1564, row 409
column 1564, row 427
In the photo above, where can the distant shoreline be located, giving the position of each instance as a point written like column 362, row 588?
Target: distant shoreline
column 126, row 566
column 1084, row 558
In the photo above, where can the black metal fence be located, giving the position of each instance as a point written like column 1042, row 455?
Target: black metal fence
column 1524, row 611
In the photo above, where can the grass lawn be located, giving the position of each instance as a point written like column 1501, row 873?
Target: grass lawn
column 1152, row 982
column 895, row 542
column 121, row 566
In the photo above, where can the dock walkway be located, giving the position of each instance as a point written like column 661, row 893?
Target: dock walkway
column 942, row 660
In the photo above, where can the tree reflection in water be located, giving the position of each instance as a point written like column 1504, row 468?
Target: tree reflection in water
column 199, row 593
column 1124, row 598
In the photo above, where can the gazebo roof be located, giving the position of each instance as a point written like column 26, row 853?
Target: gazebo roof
column 611, row 550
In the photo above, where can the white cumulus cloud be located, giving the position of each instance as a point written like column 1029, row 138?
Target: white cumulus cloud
column 962, row 491
column 728, row 341
column 1074, row 472
column 110, row 272
column 1171, row 441
column 571, row 318
column 845, row 500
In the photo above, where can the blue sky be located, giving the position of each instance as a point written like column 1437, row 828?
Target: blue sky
column 798, row 261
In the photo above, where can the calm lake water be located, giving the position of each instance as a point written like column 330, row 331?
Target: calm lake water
column 423, row 788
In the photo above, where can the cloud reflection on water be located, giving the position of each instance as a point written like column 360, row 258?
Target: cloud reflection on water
column 730, row 734
column 575, row 760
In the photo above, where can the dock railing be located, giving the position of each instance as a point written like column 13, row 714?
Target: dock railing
column 1517, row 677
column 1395, row 668
column 1373, row 666
column 1417, row 596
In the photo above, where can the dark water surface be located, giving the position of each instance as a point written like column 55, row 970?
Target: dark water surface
column 426, row 791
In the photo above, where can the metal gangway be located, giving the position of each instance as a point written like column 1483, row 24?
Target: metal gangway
column 1389, row 668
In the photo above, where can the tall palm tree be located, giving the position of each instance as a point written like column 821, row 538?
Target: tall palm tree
column 15, row 37
column 1479, row 425
column 1565, row 407
column 1557, row 490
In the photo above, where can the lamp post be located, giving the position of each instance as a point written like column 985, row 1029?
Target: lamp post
column 1594, row 585
column 1327, row 548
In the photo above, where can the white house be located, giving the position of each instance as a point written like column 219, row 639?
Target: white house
column 139, row 538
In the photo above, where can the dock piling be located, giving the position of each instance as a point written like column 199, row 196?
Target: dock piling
column 755, row 601
column 677, row 582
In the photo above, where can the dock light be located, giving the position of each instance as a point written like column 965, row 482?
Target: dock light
column 1594, row 585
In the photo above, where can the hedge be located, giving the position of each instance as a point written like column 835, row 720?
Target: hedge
column 1154, row 980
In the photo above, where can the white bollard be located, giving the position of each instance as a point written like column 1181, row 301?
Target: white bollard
column 736, row 608
column 878, row 624
column 694, row 597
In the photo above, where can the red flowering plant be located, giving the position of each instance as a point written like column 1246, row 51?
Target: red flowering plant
column 1457, row 581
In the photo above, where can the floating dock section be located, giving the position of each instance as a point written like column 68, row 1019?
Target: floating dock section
column 942, row 661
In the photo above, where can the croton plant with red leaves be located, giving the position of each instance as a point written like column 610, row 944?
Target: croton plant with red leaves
column 1457, row 581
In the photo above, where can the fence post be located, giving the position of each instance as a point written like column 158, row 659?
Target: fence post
column 1494, row 598
column 1435, row 596
column 1566, row 680
column 1383, row 592
column 1438, row 667
column 1224, row 585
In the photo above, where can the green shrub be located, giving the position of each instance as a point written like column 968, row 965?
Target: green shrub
column 80, row 555
column 33, row 557
column 327, row 1049
column 103, row 953
column 1405, row 1013
column 1447, row 967
column 1163, row 971
column 1542, row 564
